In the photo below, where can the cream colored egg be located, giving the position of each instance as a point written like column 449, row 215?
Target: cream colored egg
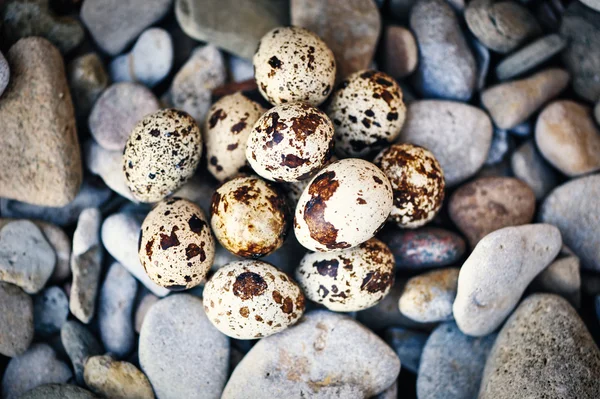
column 251, row 299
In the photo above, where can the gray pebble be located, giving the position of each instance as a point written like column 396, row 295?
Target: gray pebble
column 529, row 166
column 562, row 278
column 16, row 320
column 142, row 309
column 61, row 243
column 4, row 73
column 109, row 166
column 87, row 80
column 79, row 344
column 408, row 345
column 530, row 56
column 240, row 69
column 50, row 310
column 482, row 55
column 58, row 391
column 428, row 297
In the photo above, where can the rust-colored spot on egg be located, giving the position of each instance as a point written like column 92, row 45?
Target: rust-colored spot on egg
column 248, row 285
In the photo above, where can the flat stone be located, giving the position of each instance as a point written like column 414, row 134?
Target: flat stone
column 401, row 54
column 562, row 278
column 428, row 297
column 493, row 278
column 142, row 309
column 511, row 103
column 408, row 345
column 458, row 135
column 530, row 56
column 201, row 358
column 529, row 166
column 16, row 320
column 50, row 311
column 544, row 349
column 87, row 80
column 4, row 73
column 109, row 166
column 39, row 150
column 79, row 344
column 117, row 380
column 58, row 391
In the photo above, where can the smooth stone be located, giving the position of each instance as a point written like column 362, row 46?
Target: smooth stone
column 493, row 278
column 35, row 18
column 39, row 150
column 115, row 311
column 482, row 55
column 312, row 359
column 544, row 349
column 573, row 207
column 142, row 309
column 511, row 103
column 116, row 380
column 401, row 54
column 26, row 258
column 87, row 79
column 529, row 166
column 115, row 23
column 86, row 265
column 79, row 343
column 447, row 68
column 109, row 166
column 58, row 391
column 38, row 366
column 452, row 364
column 16, row 320
column 199, row 351
column 501, row 144
column 458, row 135
column 428, row 297
column 4, row 73
column 350, row 29
column 148, row 63
column 530, row 56
column 50, row 311
column 487, row 204
column 568, row 138
column 562, row 278
column 408, row 345
column 120, row 236
column 240, row 69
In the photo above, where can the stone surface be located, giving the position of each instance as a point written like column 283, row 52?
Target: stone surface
column 544, row 349
column 501, row 143
column 452, row 364
column 142, row 309
column 428, row 297
column 50, row 311
column 401, row 54
column 493, row 278
column 39, row 150
column 4, row 73
column 87, row 80
column 58, row 391
column 408, row 345
column 529, row 166
column 116, row 380
column 16, row 320
column 61, row 243
column 482, row 55
column 79, row 343
column 459, row 135
column 530, row 56
column 109, row 166
column 240, row 69
column 562, row 278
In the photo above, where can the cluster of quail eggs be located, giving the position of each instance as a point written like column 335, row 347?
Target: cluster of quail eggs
column 278, row 173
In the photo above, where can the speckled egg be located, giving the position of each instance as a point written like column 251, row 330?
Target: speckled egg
column 249, row 216
column 226, row 130
column 345, row 204
column 290, row 142
column 176, row 246
column 367, row 112
column 251, row 299
column 293, row 64
column 161, row 154
column 418, row 183
column 349, row 280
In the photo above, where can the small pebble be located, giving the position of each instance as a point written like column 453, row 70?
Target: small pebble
column 529, row 166
column 109, row 166
column 79, row 343
column 401, row 53
column 116, row 380
column 142, row 309
column 16, row 320
column 428, row 297
column 87, row 80
column 482, row 56
column 50, row 311
column 408, row 345
column 58, row 391
column 240, row 69
column 530, row 56
column 562, row 278
column 4, row 73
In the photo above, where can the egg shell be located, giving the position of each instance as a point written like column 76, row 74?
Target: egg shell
column 161, row 154
column 226, row 130
column 251, row 299
column 350, row 280
column 367, row 112
column 345, row 204
column 249, row 216
column 293, row 64
column 290, row 142
column 417, row 181
column 176, row 246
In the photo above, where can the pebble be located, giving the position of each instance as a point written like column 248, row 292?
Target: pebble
column 529, row 166
column 240, row 69
column 117, row 111
column 408, row 345
column 574, row 209
column 401, row 54
column 482, row 56
column 58, row 391
column 87, row 80
column 50, row 311
column 109, row 166
column 38, row 118
column 116, row 380
column 61, row 243
column 544, row 349
column 487, row 204
column 452, row 364
column 202, row 359
column 148, row 63
column 4, row 73
column 447, row 68
column 511, row 103
column 38, row 366
column 115, row 311
column 568, row 138
column 530, row 56
column 313, row 359
column 493, row 278
column 16, row 320
column 142, row 309
column 79, row 344
column 463, row 148
column 428, row 297
column 86, row 265
column 114, row 24
column 350, row 29
column 562, row 278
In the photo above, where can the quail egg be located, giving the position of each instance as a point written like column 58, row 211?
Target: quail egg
column 349, row 280
column 226, row 130
column 290, row 142
column 161, row 154
column 249, row 216
column 176, row 246
column 417, row 181
column 293, row 64
column 251, row 299
column 367, row 112
column 345, row 204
